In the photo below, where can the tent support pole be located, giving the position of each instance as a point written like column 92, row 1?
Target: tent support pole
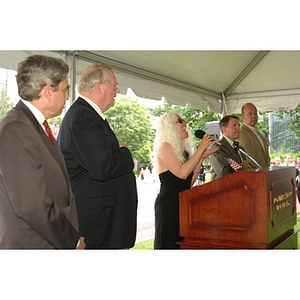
column 224, row 111
column 70, row 58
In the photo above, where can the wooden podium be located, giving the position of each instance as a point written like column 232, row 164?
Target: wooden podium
column 244, row 210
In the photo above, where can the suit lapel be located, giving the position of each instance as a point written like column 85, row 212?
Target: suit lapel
column 263, row 139
column 231, row 150
column 105, row 124
column 53, row 149
column 255, row 137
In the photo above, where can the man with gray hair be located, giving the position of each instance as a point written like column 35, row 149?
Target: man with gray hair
column 37, row 207
column 100, row 168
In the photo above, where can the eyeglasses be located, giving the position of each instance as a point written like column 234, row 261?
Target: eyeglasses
column 180, row 121
column 115, row 85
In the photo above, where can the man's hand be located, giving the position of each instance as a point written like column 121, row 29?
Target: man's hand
column 80, row 244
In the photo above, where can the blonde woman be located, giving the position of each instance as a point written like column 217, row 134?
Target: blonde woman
column 178, row 167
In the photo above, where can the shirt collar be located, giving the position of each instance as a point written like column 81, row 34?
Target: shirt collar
column 251, row 127
column 35, row 111
column 94, row 106
column 229, row 141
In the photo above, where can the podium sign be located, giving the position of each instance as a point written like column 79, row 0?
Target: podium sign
column 244, row 210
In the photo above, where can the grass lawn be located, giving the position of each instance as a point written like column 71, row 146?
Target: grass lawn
column 298, row 227
column 148, row 245
column 145, row 245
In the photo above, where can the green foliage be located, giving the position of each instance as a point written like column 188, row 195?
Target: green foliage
column 5, row 104
column 167, row 107
column 282, row 152
column 56, row 121
column 263, row 123
column 131, row 124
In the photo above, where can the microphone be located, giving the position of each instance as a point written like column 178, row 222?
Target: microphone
column 237, row 147
column 200, row 134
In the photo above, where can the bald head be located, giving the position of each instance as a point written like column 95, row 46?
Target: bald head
column 249, row 114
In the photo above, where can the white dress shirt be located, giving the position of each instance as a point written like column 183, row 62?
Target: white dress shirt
column 36, row 112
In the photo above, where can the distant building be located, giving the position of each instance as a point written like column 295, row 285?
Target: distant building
column 281, row 136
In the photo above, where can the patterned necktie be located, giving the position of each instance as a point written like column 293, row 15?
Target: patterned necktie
column 49, row 132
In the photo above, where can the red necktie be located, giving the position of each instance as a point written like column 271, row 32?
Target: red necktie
column 49, row 132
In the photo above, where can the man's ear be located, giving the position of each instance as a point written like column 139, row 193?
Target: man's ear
column 46, row 92
column 98, row 88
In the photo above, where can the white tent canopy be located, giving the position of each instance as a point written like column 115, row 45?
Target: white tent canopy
column 220, row 80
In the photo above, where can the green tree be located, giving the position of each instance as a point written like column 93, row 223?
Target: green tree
column 263, row 123
column 5, row 104
column 131, row 124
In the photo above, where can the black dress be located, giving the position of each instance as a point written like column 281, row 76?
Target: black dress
column 167, row 210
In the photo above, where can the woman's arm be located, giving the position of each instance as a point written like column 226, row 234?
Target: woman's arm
column 198, row 166
column 168, row 160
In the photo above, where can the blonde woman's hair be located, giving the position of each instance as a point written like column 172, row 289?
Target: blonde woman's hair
column 167, row 132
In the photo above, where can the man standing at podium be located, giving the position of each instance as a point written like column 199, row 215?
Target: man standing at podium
column 254, row 142
column 227, row 159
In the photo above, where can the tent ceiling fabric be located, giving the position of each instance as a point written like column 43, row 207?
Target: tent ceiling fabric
column 270, row 79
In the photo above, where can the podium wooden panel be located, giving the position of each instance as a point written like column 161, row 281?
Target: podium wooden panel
column 244, row 210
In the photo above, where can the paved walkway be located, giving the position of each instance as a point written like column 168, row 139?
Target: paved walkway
column 147, row 191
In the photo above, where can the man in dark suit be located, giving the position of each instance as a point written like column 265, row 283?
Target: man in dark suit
column 221, row 160
column 100, row 169
column 255, row 144
column 37, row 207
